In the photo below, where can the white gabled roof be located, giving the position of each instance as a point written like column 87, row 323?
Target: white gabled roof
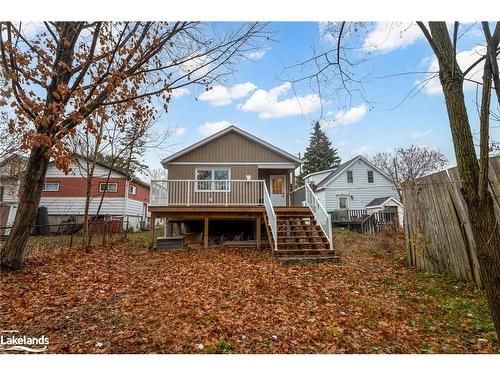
column 235, row 129
column 319, row 172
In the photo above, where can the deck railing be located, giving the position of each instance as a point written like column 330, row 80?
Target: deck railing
column 349, row 215
column 207, row 192
column 320, row 214
column 271, row 216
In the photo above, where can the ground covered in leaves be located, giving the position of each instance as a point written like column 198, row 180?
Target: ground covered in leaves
column 122, row 298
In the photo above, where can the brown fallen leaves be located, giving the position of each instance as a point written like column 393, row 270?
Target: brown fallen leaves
column 119, row 299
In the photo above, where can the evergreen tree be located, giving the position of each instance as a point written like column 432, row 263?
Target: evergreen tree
column 319, row 155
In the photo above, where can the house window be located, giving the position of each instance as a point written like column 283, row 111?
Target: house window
column 342, row 203
column 132, row 189
column 51, row 186
column 349, row 177
column 370, row 177
column 110, row 187
column 212, row 179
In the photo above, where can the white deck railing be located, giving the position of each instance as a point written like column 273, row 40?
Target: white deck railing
column 203, row 193
column 271, row 216
column 320, row 214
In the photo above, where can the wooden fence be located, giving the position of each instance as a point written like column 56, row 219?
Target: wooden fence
column 438, row 232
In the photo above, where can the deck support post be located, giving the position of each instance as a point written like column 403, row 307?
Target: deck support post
column 205, row 233
column 152, row 234
column 257, row 232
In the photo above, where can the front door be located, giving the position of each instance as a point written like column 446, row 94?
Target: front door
column 278, row 192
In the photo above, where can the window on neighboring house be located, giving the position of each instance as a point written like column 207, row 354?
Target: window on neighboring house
column 51, row 186
column 370, row 177
column 349, row 177
column 1, row 193
column 212, row 179
column 110, row 187
column 132, row 189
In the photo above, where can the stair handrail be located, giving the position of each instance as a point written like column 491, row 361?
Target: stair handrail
column 271, row 215
column 325, row 222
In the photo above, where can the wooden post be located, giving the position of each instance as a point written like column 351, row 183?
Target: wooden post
column 152, row 238
column 293, row 179
column 257, row 232
column 205, row 233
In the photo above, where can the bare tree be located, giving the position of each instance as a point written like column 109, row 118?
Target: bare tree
column 408, row 164
column 71, row 73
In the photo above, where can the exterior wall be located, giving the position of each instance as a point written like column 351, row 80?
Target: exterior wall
column 360, row 191
column 70, row 199
column 188, row 172
column 232, row 147
column 264, row 174
column 11, row 173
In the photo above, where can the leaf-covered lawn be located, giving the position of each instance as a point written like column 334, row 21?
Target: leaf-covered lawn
column 123, row 298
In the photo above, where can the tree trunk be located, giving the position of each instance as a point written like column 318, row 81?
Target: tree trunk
column 29, row 198
column 480, row 206
column 86, row 234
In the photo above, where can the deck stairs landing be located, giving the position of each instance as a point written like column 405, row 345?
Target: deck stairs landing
column 300, row 237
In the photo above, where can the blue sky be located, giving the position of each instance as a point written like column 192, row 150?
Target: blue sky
column 258, row 98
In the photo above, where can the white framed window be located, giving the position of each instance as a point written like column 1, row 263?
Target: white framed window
column 132, row 189
column 51, row 186
column 343, row 202
column 350, row 178
column 110, row 187
column 212, row 179
column 370, row 177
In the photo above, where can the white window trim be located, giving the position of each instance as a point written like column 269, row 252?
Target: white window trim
column 368, row 178
column 108, row 191
column 51, row 182
column 347, row 197
column 347, row 177
column 132, row 189
column 212, row 180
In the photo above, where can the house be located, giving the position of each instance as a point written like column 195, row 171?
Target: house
column 355, row 190
column 11, row 172
column 124, row 197
column 234, row 177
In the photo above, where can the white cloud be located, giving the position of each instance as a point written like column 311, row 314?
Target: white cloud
column 220, row 95
column 209, row 128
column 388, row 36
column 363, row 150
column 177, row 93
column 178, row 132
column 257, row 54
column 351, row 116
column 268, row 105
column 342, row 143
column 418, row 135
column 464, row 59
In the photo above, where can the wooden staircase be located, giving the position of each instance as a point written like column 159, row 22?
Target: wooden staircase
column 300, row 237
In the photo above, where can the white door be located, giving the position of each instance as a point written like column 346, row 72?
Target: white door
column 277, row 188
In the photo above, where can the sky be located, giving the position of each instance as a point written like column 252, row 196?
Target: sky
column 260, row 97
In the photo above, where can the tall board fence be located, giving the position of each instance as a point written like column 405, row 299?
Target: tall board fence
column 438, row 231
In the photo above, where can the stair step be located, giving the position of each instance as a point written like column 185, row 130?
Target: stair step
column 312, row 258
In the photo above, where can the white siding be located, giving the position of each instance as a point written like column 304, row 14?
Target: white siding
column 76, row 171
column 360, row 192
column 76, row 206
column 135, row 208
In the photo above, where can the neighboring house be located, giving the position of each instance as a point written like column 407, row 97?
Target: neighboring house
column 356, row 187
column 235, row 176
column 64, row 195
column 11, row 172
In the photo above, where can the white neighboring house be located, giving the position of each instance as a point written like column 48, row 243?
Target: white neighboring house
column 356, row 184
column 11, row 175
